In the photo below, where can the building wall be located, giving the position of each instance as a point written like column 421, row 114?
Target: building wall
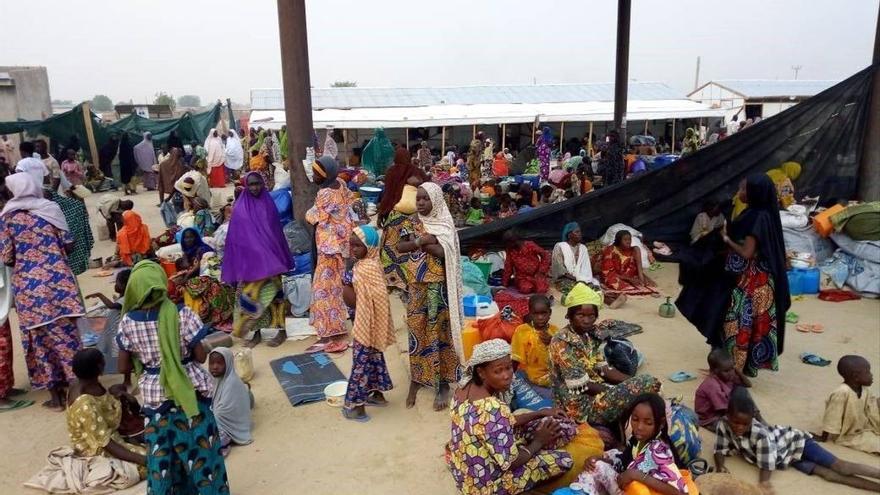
column 771, row 109
column 29, row 99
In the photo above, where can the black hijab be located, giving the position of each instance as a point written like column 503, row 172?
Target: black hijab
column 126, row 159
column 761, row 221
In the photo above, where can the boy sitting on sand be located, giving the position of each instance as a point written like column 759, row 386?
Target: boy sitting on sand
column 852, row 412
column 773, row 447
column 713, row 395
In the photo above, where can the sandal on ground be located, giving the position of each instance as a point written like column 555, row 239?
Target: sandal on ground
column 18, row 404
column 336, row 346
column 360, row 419
column 315, row 348
column 814, row 359
column 681, row 376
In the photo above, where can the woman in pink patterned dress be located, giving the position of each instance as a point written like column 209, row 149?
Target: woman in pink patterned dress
column 333, row 219
column 34, row 242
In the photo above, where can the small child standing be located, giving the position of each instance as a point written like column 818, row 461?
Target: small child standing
column 852, row 412
column 372, row 331
column 713, row 395
column 777, row 447
column 649, row 458
column 530, row 346
column 114, row 315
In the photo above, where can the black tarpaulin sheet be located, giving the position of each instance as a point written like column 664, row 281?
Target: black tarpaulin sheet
column 823, row 134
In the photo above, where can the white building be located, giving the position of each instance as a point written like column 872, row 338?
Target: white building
column 756, row 98
column 447, row 116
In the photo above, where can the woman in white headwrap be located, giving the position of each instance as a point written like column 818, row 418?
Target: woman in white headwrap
column 434, row 311
column 234, row 151
column 216, row 156
column 493, row 451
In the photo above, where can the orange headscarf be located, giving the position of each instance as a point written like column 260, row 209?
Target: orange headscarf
column 133, row 237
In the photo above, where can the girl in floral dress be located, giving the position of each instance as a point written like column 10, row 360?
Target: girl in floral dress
column 334, row 220
column 648, row 465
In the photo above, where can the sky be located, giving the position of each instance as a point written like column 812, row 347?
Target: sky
column 132, row 49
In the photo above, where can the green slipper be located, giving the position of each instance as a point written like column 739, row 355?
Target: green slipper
column 18, row 404
column 792, row 317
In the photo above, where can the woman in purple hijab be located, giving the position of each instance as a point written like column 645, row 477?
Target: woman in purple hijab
column 254, row 259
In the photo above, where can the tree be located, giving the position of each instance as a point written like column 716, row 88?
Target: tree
column 344, row 84
column 189, row 101
column 101, row 103
column 163, row 98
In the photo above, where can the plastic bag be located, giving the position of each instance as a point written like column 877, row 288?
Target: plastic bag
column 244, row 364
column 684, row 432
column 472, row 279
column 284, row 204
column 378, row 153
column 833, row 273
column 622, row 355
column 330, row 148
column 298, row 239
column 500, row 326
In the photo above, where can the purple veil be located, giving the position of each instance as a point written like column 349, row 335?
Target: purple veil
column 255, row 245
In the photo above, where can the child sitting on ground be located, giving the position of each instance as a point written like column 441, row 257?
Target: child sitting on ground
column 506, row 206
column 777, row 447
column 131, row 425
column 94, row 414
column 852, row 412
column 372, row 330
column 649, row 459
column 713, row 395
column 529, row 346
column 232, row 401
column 475, row 212
column 114, row 313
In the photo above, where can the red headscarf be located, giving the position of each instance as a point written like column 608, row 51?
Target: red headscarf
column 395, row 178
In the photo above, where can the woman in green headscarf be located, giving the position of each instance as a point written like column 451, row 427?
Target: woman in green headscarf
column 164, row 346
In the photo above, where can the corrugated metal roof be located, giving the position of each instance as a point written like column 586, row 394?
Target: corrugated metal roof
column 324, row 98
column 767, row 88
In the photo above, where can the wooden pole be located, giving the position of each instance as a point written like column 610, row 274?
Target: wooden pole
column 590, row 140
column 621, row 71
column 297, row 98
column 561, row 136
column 345, row 146
column 646, row 127
column 473, row 132
column 443, row 142
column 503, row 136
column 673, row 136
column 407, row 138
column 90, row 133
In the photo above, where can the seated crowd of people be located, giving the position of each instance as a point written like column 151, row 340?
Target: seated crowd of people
column 545, row 407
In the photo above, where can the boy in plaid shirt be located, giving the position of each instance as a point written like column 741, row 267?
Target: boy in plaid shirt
column 777, row 447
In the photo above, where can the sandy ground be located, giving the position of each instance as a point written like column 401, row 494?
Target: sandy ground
column 311, row 449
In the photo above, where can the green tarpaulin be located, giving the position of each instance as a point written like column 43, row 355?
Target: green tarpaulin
column 68, row 129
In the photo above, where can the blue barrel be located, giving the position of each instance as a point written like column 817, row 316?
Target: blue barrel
column 794, row 283
column 809, row 280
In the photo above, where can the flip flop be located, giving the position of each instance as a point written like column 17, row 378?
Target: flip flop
column 681, row 376
column 817, row 328
column 315, row 348
column 363, row 419
column 803, row 328
column 376, row 404
column 19, row 404
column 336, row 347
column 814, row 359
column 791, row 317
